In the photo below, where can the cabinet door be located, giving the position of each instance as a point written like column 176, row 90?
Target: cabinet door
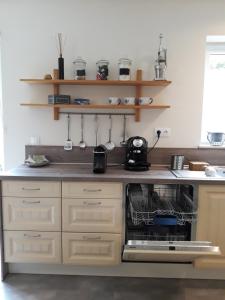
column 22, row 188
column 211, row 223
column 32, row 246
column 92, row 215
column 91, row 248
column 32, row 214
column 91, row 190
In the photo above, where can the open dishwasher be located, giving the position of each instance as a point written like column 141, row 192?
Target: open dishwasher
column 161, row 224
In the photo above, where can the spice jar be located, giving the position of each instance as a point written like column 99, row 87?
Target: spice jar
column 102, row 69
column 124, row 68
column 79, row 68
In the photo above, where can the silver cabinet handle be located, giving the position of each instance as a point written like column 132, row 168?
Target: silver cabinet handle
column 92, row 203
column 92, row 190
column 91, row 238
column 31, row 202
column 32, row 236
column 30, row 189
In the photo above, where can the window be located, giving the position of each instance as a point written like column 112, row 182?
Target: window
column 213, row 118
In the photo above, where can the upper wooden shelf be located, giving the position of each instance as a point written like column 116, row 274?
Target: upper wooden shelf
column 99, row 82
column 97, row 106
column 138, row 84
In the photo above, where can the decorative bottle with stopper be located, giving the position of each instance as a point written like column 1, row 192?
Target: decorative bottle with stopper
column 60, row 59
column 161, row 61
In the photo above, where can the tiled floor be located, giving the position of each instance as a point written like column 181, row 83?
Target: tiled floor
column 46, row 287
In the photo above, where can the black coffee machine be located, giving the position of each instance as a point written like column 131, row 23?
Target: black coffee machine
column 137, row 154
column 100, row 159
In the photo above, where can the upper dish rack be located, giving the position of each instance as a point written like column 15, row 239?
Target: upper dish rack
column 160, row 205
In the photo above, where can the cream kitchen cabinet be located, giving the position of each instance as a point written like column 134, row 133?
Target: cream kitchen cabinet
column 32, row 221
column 92, row 223
column 211, row 223
column 92, row 215
column 32, row 246
column 32, row 213
column 22, row 188
column 97, row 190
column 91, row 248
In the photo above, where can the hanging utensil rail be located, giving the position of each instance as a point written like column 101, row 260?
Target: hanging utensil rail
column 96, row 113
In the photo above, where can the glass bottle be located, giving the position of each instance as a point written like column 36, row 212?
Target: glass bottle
column 80, row 69
column 102, row 69
column 124, row 68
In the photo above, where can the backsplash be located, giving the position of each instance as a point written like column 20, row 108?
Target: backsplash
column 157, row 156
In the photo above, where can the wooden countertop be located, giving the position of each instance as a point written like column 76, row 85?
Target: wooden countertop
column 114, row 173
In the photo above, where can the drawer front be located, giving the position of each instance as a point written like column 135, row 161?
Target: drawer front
column 92, row 215
column 91, row 249
column 32, row 246
column 18, row 188
column 32, row 214
column 91, row 190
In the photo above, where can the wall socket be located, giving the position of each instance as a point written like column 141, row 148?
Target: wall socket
column 165, row 132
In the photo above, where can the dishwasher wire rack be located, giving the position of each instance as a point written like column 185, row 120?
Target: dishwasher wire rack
column 147, row 203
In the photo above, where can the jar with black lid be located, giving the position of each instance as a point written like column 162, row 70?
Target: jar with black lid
column 80, row 68
column 124, row 68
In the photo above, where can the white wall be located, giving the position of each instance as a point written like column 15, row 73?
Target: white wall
column 105, row 29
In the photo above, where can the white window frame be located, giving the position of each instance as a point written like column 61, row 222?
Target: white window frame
column 217, row 48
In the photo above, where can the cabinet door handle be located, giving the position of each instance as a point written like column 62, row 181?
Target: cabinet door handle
column 92, row 203
column 30, row 189
column 91, row 238
column 31, row 202
column 92, row 190
column 32, row 236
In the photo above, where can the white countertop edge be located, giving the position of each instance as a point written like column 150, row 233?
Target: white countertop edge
column 207, row 146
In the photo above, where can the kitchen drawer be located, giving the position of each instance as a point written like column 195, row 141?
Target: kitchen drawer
column 32, row 214
column 92, row 215
column 31, row 188
column 91, row 249
column 91, row 190
column 32, row 246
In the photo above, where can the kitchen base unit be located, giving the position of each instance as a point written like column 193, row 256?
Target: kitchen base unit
column 161, row 224
column 91, row 249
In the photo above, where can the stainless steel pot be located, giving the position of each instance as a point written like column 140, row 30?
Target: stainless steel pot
column 216, row 138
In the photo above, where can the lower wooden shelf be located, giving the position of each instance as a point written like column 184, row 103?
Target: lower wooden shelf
column 56, row 107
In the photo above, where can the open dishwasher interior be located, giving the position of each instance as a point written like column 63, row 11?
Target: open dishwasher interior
column 162, row 219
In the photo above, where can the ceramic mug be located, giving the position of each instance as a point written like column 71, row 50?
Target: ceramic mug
column 145, row 100
column 114, row 100
column 129, row 100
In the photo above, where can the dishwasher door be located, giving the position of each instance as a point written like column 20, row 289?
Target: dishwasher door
column 168, row 251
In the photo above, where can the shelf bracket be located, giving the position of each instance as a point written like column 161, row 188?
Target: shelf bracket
column 56, row 113
column 138, row 95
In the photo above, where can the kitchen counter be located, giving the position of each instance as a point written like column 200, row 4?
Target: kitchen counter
column 83, row 172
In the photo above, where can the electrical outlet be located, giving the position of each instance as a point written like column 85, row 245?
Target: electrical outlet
column 165, row 132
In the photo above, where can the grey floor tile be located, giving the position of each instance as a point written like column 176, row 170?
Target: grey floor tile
column 47, row 287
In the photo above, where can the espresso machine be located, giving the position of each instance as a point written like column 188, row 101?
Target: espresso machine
column 136, row 154
column 100, row 159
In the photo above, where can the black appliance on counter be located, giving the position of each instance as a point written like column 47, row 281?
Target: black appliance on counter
column 137, row 154
column 100, row 159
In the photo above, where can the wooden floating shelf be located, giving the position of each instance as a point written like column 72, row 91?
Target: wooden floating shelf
column 56, row 107
column 138, row 84
column 99, row 82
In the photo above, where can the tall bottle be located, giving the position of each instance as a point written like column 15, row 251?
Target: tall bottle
column 60, row 59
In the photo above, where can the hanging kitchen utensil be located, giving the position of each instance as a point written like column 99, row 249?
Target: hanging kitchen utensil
column 96, row 130
column 123, row 142
column 68, row 145
column 110, row 145
column 82, row 144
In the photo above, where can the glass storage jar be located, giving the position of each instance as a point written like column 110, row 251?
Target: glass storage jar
column 102, row 69
column 79, row 69
column 124, row 68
